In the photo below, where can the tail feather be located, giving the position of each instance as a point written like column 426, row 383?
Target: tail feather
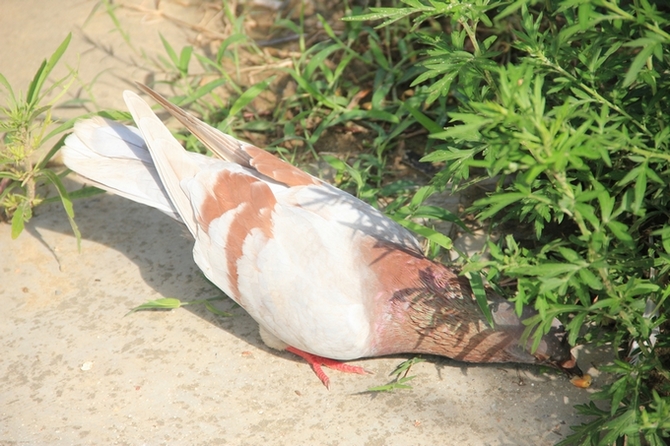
column 114, row 157
column 102, row 136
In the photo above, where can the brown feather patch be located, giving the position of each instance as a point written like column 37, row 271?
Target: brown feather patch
column 280, row 171
column 254, row 202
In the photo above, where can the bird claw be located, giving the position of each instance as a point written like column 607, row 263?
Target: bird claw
column 317, row 361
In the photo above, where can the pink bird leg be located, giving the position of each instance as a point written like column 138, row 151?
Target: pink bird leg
column 317, row 361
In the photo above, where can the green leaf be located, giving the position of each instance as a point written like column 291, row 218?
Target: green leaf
column 479, row 291
column 604, row 303
column 399, row 383
column 587, row 212
column 422, row 119
column 249, row 95
column 590, row 279
column 372, row 115
column 448, row 155
column 438, row 213
column 665, row 237
column 575, row 325
column 11, row 176
column 44, row 71
column 172, row 54
column 620, row 231
column 212, row 309
column 640, row 60
column 405, row 366
column 231, row 40
column 570, row 255
column 165, row 303
column 4, row 82
column 66, row 201
column 390, row 14
column 422, row 195
column 84, row 192
column 335, row 162
column 395, row 385
column 630, row 176
column 497, row 202
column 184, row 59
column 313, row 92
column 640, row 189
column 430, row 234
column 584, row 11
column 549, row 269
column 21, row 215
column 318, row 59
column 463, row 132
column 378, row 55
column 641, row 288
column 205, row 89
column 606, row 205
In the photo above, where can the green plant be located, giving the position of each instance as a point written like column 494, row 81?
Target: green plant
column 566, row 104
column 170, row 303
column 27, row 124
column 399, row 382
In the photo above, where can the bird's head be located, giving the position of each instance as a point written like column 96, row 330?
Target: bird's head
column 553, row 349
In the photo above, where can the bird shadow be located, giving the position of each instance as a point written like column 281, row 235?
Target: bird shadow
column 160, row 248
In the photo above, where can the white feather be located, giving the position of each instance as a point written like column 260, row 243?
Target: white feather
column 114, row 157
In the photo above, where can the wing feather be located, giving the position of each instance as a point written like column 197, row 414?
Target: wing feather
column 170, row 159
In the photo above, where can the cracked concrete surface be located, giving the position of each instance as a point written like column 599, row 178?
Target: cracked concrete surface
column 76, row 370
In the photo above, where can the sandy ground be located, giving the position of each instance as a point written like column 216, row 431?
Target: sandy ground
column 75, row 370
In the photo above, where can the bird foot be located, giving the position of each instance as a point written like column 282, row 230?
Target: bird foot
column 317, row 361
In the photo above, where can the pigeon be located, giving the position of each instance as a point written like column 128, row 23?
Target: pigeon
column 325, row 275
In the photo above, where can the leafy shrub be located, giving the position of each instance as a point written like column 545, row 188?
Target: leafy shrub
column 566, row 104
